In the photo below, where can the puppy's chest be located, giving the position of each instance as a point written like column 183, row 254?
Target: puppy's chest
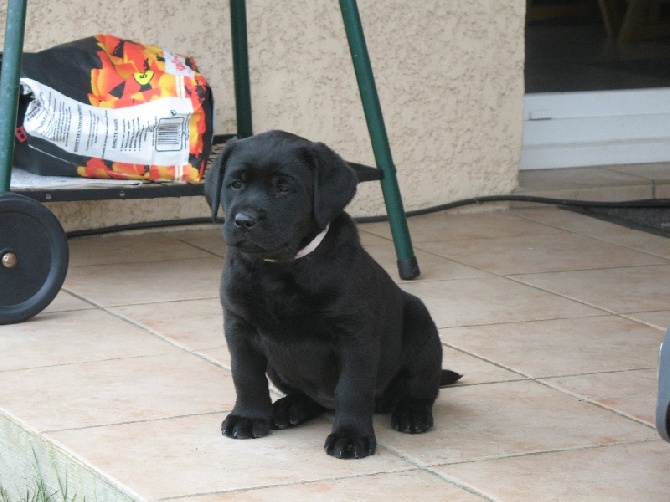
column 281, row 306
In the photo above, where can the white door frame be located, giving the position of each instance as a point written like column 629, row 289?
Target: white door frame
column 578, row 129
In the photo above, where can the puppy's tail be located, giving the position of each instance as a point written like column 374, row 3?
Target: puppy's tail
column 448, row 377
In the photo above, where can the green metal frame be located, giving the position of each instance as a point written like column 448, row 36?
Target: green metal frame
column 407, row 263
column 9, row 86
column 238, row 29
column 9, row 93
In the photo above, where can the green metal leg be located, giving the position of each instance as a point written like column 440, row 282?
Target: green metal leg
column 9, row 86
column 407, row 263
column 238, row 29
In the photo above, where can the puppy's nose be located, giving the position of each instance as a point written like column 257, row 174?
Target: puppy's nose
column 245, row 219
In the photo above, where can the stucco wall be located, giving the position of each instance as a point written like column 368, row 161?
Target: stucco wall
column 449, row 76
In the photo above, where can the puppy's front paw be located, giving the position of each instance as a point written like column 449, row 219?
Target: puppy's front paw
column 238, row 427
column 293, row 410
column 412, row 416
column 350, row 444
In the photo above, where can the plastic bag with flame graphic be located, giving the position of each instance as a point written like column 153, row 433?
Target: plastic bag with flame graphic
column 104, row 107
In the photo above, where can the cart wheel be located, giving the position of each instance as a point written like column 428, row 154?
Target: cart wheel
column 33, row 257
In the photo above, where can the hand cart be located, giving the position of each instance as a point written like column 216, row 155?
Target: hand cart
column 33, row 244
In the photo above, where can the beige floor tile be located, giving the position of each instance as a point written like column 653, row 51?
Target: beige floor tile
column 382, row 487
column 209, row 239
column 447, row 226
column 189, row 456
column 126, row 249
column 116, row 391
column 619, row 473
column 562, row 346
column 630, row 289
column 149, row 282
column 490, row 300
column 632, row 393
column 570, row 221
column 641, row 241
column 219, row 356
column 660, row 319
column 475, row 370
column 433, row 268
column 477, row 422
column 56, row 338
column 602, row 230
column 193, row 324
column 539, row 253
column 370, row 239
column 65, row 301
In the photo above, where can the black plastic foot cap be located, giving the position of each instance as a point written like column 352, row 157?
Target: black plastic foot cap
column 408, row 269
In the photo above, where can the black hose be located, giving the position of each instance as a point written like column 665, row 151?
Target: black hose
column 627, row 204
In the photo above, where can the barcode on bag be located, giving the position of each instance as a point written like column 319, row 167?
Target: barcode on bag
column 169, row 134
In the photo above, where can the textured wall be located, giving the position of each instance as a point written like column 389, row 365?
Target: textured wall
column 449, row 75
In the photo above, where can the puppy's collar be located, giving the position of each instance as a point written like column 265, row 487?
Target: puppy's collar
column 313, row 244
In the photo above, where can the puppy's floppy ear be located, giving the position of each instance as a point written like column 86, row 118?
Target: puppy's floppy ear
column 334, row 183
column 214, row 178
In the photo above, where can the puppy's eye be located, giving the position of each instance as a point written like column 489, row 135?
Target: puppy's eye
column 281, row 185
column 236, row 185
column 282, row 188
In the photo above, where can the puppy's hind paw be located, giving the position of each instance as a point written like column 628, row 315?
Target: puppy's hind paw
column 238, row 427
column 293, row 410
column 412, row 416
column 350, row 445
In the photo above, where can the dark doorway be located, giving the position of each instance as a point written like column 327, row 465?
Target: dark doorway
column 569, row 49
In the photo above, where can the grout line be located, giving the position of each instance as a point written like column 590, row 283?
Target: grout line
column 106, row 308
column 595, row 269
column 489, row 361
column 524, row 321
column 595, row 403
column 463, row 486
column 631, row 317
column 525, row 376
column 545, row 452
column 559, row 295
column 146, row 262
column 131, row 422
column 622, row 315
column 285, row 485
column 200, row 248
column 428, row 470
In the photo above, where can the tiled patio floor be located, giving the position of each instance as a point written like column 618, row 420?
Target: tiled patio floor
column 555, row 319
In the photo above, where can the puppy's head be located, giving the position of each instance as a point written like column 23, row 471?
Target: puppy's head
column 277, row 191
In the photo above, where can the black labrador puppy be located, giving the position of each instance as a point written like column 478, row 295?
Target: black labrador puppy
column 306, row 306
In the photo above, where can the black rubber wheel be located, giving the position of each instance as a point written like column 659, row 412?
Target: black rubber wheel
column 33, row 257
